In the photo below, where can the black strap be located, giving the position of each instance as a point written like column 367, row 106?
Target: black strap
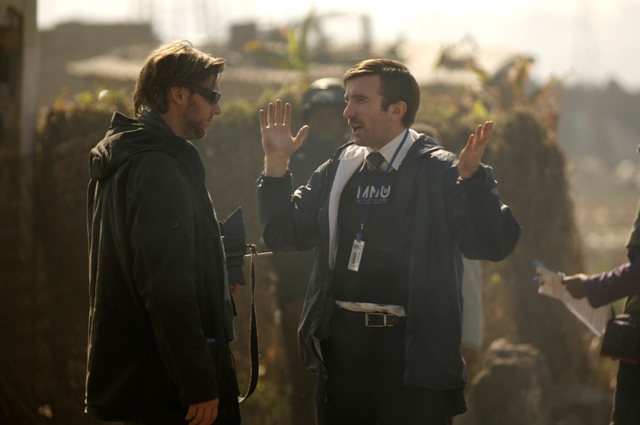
column 253, row 331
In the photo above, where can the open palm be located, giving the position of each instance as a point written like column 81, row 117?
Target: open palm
column 471, row 155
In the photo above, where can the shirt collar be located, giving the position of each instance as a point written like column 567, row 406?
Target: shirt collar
column 390, row 148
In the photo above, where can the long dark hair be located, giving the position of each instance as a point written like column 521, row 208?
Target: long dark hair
column 175, row 64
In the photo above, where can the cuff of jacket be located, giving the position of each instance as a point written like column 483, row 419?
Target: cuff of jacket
column 478, row 175
column 264, row 179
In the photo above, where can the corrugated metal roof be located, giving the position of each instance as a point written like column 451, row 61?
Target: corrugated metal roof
column 419, row 58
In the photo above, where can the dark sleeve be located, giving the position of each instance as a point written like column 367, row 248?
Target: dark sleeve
column 163, row 243
column 489, row 230
column 289, row 222
column 622, row 281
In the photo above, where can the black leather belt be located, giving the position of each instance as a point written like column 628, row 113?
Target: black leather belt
column 374, row 320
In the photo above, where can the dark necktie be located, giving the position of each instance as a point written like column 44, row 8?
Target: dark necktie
column 375, row 161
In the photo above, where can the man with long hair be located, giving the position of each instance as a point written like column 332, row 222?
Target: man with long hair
column 160, row 317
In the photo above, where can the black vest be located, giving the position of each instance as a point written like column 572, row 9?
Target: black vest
column 376, row 281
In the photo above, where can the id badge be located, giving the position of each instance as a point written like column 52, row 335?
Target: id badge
column 356, row 255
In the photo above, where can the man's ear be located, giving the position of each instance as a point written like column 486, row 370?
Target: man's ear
column 398, row 110
column 178, row 95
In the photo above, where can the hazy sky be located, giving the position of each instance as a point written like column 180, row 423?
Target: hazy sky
column 587, row 40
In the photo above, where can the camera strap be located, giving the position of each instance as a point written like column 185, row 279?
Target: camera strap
column 253, row 331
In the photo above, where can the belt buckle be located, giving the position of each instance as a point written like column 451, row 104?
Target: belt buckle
column 384, row 322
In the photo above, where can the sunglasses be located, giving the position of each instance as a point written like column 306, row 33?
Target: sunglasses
column 212, row 96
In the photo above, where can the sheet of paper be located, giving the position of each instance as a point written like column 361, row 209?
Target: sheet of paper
column 550, row 284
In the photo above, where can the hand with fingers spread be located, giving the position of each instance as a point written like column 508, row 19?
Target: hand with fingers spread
column 471, row 155
column 277, row 142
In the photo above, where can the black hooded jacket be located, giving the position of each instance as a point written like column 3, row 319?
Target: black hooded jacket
column 157, row 335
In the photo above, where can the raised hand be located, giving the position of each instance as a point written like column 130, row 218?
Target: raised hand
column 277, row 142
column 471, row 155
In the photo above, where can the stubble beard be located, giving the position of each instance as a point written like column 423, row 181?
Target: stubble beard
column 197, row 128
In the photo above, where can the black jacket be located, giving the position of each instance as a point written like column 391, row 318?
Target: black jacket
column 157, row 336
column 437, row 217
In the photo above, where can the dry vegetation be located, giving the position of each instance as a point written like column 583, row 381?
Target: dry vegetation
column 532, row 172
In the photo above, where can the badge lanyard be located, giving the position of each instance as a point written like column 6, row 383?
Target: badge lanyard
column 358, row 243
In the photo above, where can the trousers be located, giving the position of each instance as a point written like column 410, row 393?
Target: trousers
column 365, row 367
column 626, row 400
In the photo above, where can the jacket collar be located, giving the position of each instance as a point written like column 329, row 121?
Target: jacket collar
column 152, row 119
column 350, row 158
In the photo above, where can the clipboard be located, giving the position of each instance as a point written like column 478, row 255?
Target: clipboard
column 550, row 284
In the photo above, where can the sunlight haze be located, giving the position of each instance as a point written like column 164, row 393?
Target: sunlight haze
column 590, row 40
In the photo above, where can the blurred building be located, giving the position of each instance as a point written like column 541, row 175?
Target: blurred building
column 18, row 78
column 74, row 41
column 18, row 87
